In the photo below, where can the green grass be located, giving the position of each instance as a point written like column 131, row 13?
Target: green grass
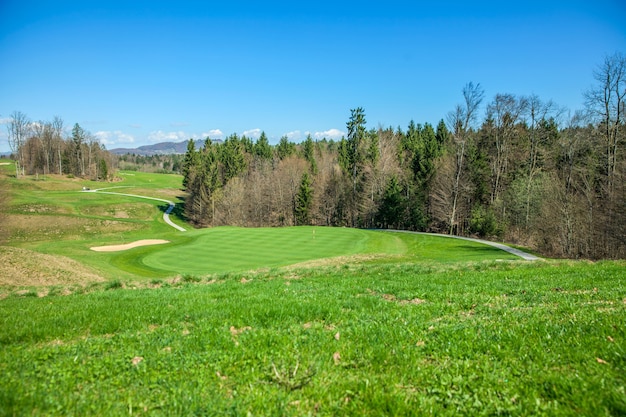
column 492, row 338
column 217, row 322
column 229, row 249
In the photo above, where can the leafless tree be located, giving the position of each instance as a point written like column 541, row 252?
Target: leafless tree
column 460, row 123
column 606, row 103
column 18, row 129
column 504, row 112
column 57, row 132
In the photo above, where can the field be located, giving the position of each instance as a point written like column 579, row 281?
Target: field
column 343, row 322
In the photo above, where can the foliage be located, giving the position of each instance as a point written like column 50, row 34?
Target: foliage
column 304, row 201
column 555, row 181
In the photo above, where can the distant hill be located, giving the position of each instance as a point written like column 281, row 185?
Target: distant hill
column 163, row 148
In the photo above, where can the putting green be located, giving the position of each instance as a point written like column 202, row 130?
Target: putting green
column 229, row 249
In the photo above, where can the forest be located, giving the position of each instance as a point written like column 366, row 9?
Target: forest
column 41, row 148
column 511, row 167
column 526, row 171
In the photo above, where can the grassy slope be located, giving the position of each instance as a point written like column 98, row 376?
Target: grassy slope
column 430, row 329
column 507, row 338
column 53, row 217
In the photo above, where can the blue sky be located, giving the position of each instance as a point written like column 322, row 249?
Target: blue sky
column 141, row 72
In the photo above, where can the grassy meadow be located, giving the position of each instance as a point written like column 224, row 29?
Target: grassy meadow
column 291, row 321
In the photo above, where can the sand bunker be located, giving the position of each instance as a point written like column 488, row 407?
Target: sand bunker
column 115, row 248
column 5, row 163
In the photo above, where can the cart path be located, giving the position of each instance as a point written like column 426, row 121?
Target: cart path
column 501, row 246
column 166, row 215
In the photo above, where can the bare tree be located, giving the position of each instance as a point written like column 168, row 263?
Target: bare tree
column 460, row 124
column 606, row 102
column 18, row 129
column 504, row 113
column 57, row 132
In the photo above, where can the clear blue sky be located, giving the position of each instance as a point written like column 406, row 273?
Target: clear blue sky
column 140, row 72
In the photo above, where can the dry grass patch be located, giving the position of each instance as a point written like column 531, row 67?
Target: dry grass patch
column 26, row 227
column 337, row 261
column 22, row 267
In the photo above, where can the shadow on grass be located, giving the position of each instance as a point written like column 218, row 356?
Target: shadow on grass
column 178, row 211
column 486, row 249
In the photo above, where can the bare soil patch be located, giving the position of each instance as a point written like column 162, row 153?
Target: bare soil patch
column 116, row 248
column 23, row 267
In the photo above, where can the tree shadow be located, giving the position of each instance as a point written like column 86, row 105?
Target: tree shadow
column 178, row 211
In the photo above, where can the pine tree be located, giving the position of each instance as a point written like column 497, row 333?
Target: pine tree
column 262, row 148
column 285, row 148
column 304, row 201
column 189, row 163
column 309, row 154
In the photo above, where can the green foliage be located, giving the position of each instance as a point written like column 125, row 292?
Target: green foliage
column 304, row 201
column 484, row 223
column 285, row 148
column 190, row 163
column 355, row 152
column 391, row 210
column 113, row 285
column 308, row 151
column 232, row 157
column 190, row 278
column 262, row 148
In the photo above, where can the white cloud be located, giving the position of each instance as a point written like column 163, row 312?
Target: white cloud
column 109, row 138
column 4, row 120
column 329, row 134
column 294, row 136
column 214, row 134
column 161, row 136
column 252, row 133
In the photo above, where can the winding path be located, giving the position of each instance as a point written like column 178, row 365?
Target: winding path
column 166, row 215
column 514, row 251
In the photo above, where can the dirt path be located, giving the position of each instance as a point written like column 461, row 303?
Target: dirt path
column 166, row 215
column 514, row 251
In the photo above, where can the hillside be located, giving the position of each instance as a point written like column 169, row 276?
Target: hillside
column 162, row 148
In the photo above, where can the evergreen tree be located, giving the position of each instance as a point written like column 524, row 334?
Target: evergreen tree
column 304, row 201
column 78, row 138
column 285, row 148
column 309, row 154
column 442, row 135
column 232, row 157
column 262, row 148
column 391, row 207
column 190, row 162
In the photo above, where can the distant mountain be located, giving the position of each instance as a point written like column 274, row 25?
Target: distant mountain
column 163, row 148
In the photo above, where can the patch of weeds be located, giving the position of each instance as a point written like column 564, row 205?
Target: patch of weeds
column 190, row 278
column 156, row 282
column 291, row 379
column 26, row 293
column 113, row 285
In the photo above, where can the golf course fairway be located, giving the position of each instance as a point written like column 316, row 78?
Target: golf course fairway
column 233, row 249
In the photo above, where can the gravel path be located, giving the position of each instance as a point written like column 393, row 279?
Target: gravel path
column 166, row 215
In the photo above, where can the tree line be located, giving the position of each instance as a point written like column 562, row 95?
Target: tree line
column 43, row 148
column 526, row 170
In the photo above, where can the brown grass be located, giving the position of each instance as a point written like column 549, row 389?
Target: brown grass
column 22, row 267
column 27, row 227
